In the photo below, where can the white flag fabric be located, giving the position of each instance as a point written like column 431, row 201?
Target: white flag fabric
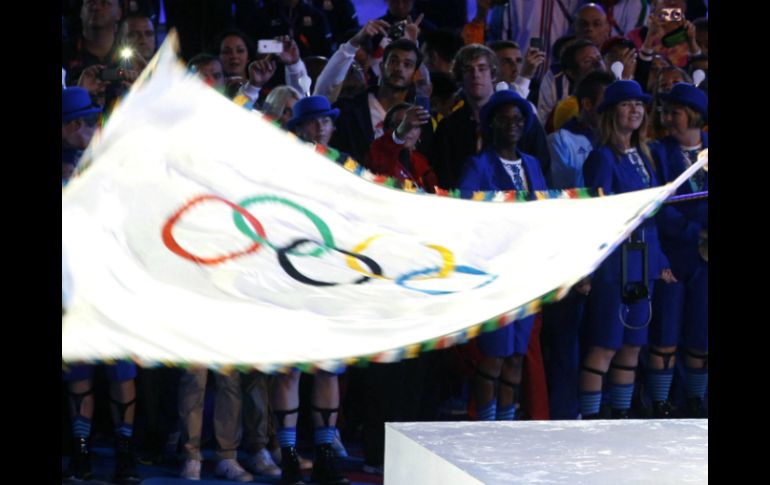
column 202, row 234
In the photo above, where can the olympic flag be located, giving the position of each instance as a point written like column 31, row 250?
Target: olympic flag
column 202, row 234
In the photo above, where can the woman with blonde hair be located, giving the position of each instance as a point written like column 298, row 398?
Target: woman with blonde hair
column 279, row 103
column 619, row 305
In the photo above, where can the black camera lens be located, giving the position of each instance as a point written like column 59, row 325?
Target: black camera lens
column 396, row 31
column 634, row 292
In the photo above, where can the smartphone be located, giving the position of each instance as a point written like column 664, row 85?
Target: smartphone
column 112, row 74
column 536, row 43
column 676, row 36
column 423, row 102
column 269, row 46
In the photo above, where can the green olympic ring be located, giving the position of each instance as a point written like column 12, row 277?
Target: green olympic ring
column 246, row 229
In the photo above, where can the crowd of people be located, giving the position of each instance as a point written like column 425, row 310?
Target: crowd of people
column 525, row 96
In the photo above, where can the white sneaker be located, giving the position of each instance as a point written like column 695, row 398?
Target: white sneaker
column 191, row 469
column 230, row 469
column 262, row 463
column 338, row 447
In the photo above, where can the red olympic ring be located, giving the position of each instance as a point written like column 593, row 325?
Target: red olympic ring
column 173, row 245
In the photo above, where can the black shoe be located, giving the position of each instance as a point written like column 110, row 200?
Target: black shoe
column 290, row 472
column 605, row 412
column 663, row 410
column 695, row 408
column 79, row 467
column 125, row 462
column 620, row 414
column 324, row 470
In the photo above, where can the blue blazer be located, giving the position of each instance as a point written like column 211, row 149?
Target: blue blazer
column 615, row 175
column 485, row 171
column 680, row 223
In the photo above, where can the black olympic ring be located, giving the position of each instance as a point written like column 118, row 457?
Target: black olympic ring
column 283, row 260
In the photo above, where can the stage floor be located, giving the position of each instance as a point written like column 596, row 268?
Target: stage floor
column 574, row 452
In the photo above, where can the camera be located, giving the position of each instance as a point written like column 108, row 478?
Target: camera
column 676, row 36
column 634, row 292
column 396, row 31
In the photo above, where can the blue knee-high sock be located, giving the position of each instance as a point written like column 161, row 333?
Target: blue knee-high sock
column 696, row 381
column 659, row 382
column 506, row 413
column 324, row 435
column 620, row 395
column 125, row 430
column 81, row 427
column 488, row 411
column 287, row 436
column 590, row 402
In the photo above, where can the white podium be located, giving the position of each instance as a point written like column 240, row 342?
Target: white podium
column 547, row 452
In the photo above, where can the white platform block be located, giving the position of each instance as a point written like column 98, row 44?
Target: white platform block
column 547, row 452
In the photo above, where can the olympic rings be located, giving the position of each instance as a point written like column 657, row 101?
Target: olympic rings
column 290, row 270
column 323, row 229
column 248, row 225
column 446, row 256
column 173, row 245
column 401, row 280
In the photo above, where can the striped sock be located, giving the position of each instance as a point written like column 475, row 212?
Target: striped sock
column 324, row 435
column 125, row 430
column 590, row 402
column 696, row 381
column 81, row 427
column 659, row 381
column 620, row 395
column 508, row 413
column 488, row 412
column 287, row 437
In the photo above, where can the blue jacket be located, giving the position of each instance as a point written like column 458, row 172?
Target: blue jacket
column 615, row 175
column 679, row 223
column 486, row 172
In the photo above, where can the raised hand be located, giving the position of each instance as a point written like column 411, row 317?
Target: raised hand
column 532, row 59
column 372, row 28
column 290, row 54
column 412, row 29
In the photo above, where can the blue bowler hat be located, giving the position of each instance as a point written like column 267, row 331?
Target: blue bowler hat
column 622, row 91
column 500, row 98
column 688, row 95
column 76, row 103
column 310, row 108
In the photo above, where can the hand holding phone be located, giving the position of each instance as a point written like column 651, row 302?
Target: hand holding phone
column 536, row 43
column 113, row 74
column 423, row 102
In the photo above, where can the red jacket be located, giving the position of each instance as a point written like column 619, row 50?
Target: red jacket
column 383, row 158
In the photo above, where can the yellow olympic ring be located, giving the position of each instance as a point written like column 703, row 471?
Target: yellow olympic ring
column 446, row 256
